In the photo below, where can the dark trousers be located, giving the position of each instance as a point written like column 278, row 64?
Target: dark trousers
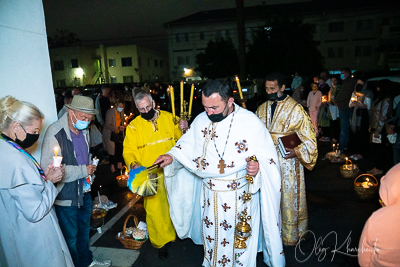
column 75, row 226
column 117, row 157
column 379, row 152
column 345, row 116
column 334, row 129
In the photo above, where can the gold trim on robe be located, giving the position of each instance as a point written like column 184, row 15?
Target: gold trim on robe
column 290, row 117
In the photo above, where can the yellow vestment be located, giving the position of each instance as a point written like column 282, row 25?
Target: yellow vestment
column 290, row 117
column 144, row 142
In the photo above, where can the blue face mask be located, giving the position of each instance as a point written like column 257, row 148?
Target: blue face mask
column 342, row 76
column 80, row 125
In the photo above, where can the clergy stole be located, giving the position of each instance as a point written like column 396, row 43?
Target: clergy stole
column 222, row 204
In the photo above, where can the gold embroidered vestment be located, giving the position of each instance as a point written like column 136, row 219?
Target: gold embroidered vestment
column 290, row 117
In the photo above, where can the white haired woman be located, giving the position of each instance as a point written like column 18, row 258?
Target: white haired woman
column 29, row 230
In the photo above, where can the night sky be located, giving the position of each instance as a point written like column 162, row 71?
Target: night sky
column 118, row 22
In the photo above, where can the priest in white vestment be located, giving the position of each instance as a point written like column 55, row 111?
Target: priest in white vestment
column 205, row 181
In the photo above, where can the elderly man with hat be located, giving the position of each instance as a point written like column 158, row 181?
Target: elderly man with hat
column 73, row 204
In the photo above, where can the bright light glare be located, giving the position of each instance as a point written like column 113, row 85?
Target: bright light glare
column 79, row 71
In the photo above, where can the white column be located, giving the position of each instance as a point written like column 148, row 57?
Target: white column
column 25, row 71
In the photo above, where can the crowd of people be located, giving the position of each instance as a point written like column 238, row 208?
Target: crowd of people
column 225, row 169
column 360, row 117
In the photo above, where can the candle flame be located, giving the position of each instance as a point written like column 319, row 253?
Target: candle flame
column 55, row 151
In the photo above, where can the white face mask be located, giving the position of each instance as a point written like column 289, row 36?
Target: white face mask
column 120, row 109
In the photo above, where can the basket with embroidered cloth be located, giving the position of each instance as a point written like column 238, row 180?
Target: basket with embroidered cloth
column 144, row 181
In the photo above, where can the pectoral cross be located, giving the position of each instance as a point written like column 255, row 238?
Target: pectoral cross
column 221, row 166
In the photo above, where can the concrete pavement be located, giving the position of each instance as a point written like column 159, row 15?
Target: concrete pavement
column 336, row 219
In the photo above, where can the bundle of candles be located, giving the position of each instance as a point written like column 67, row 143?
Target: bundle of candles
column 367, row 184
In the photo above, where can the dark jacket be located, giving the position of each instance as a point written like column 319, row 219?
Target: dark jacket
column 70, row 187
column 342, row 98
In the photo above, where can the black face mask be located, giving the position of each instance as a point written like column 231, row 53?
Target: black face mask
column 218, row 117
column 149, row 115
column 272, row 96
column 359, row 87
column 29, row 140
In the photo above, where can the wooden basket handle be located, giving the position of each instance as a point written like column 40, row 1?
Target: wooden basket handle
column 369, row 175
column 126, row 169
column 126, row 220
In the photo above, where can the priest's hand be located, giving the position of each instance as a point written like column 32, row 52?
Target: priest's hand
column 165, row 160
column 292, row 153
column 183, row 125
column 252, row 167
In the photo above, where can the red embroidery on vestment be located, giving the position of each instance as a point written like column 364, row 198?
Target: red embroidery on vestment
column 241, row 146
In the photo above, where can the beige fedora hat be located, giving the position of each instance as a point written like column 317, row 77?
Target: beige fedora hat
column 83, row 104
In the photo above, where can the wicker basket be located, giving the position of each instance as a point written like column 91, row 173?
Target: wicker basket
column 122, row 179
column 129, row 242
column 349, row 174
column 365, row 193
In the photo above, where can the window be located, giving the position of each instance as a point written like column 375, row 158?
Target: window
column 74, row 63
column 112, row 62
column 128, row 79
column 249, row 32
column 126, row 61
column 161, row 63
column 181, row 37
column 155, row 63
column 187, row 60
column 227, row 35
column 331, row 52
column 336, row 26
column 335, row 52
column 363, row 51
column 77, row 82
column 113, row 79
column 140, row 61
column 180, row 60
column 202, row 36
column 340, row 52
column 59, row 65
column 364, row 25
column 60, row 83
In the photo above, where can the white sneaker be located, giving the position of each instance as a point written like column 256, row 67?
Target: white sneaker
column 100, row 263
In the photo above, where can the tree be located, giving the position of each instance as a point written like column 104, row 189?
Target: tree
column 219, row 60
column 284, row 45
column 63, row 38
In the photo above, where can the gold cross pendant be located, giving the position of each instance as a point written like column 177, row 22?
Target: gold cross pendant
column 221, row 166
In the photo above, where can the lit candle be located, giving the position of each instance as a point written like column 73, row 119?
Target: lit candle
column 353, row 99
column 347, row 160
column 56, row 159
column 191, row 100
column 333, row 147
column 239, row 87
column 181, row 97
column 172, row 101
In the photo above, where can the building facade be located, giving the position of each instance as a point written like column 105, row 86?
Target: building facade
column 360, row 35
column 79, row 65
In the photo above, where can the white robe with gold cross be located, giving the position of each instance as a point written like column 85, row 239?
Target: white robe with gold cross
column 205, row 204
